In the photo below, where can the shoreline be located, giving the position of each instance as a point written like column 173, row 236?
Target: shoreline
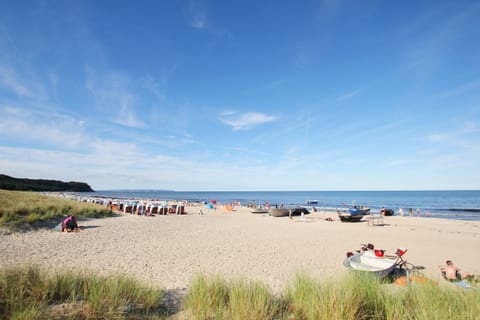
column 462, row 214
column 169, row 250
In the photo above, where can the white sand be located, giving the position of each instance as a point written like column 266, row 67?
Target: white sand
column 167, row 251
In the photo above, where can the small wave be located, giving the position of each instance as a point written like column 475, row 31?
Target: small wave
column 462, row 209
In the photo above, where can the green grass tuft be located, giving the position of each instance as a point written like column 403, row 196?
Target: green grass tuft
column 27, row 293
column 216, row 298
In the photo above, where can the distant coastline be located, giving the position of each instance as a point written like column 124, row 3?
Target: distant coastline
column 25, row 184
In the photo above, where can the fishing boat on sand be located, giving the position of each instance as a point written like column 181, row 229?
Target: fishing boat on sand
column 279, row 212
column 387, row 212
column 359, row 211
column 285, row 212
column 259, row 210
column 348, row 217
column 367, row 261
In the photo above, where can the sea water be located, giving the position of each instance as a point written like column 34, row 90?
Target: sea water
column 462, row 205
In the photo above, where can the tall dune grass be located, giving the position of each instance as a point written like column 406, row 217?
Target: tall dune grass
column 27, row 293
column 357, row 296
column 217, row 298
column 20, row 207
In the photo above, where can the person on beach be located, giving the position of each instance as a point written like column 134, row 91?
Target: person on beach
column 400, row 212
column 410, row 212
column 452, row 273
column 70, row 224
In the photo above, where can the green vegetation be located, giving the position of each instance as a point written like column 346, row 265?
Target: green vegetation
column 358, row 296
column 28, row 293
column 19, row 208
column 215, row 298
column 20, row 184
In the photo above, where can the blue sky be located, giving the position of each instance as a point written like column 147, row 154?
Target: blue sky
column 242, row 95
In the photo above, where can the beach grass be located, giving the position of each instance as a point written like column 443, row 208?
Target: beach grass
column 27, row 208
column 356, row 296
column 217, row 298
column 29, row 293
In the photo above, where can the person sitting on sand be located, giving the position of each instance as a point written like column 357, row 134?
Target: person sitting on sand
column 452, row 273
column 70, row 224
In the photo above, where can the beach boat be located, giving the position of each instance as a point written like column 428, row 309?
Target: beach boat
column 299, row 210
column 348, row 217
column 279, row 212
column 367, row 261
column 310, row 202
column 387, row 212
column 285, row 212
column 259, row 210
column 359, row 211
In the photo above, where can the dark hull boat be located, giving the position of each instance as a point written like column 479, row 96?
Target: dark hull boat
column 387, row 212
column 348, row 217
column 284, row 212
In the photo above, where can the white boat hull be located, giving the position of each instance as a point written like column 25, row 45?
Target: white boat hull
column 368, row 262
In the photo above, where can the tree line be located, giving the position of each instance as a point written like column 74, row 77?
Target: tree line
column 23, row 184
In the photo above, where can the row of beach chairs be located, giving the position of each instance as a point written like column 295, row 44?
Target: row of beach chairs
column 148, row 209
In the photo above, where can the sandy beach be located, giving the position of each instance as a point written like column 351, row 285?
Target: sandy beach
column 167, row 251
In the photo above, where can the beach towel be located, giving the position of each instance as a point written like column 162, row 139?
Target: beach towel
column 461, row 283
column 58, row 227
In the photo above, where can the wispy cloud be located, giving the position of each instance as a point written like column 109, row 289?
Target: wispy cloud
column 199, row 21
column 457, row 137
column 471, row 86
column 154, row 87
column 455, row 148
column 329, row 8
column 269, row 86
column 245, row 121
column 10, row 81
column 301, row 58
column 197, row 14
column 17, row 74
column 47, row 128
column 433, row 39
column 349, row 95
column 112, row 91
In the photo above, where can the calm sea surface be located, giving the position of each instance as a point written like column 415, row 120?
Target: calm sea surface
column 463, row 205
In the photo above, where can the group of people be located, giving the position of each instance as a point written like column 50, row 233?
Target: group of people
column 449, row 271
column 410, row 212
